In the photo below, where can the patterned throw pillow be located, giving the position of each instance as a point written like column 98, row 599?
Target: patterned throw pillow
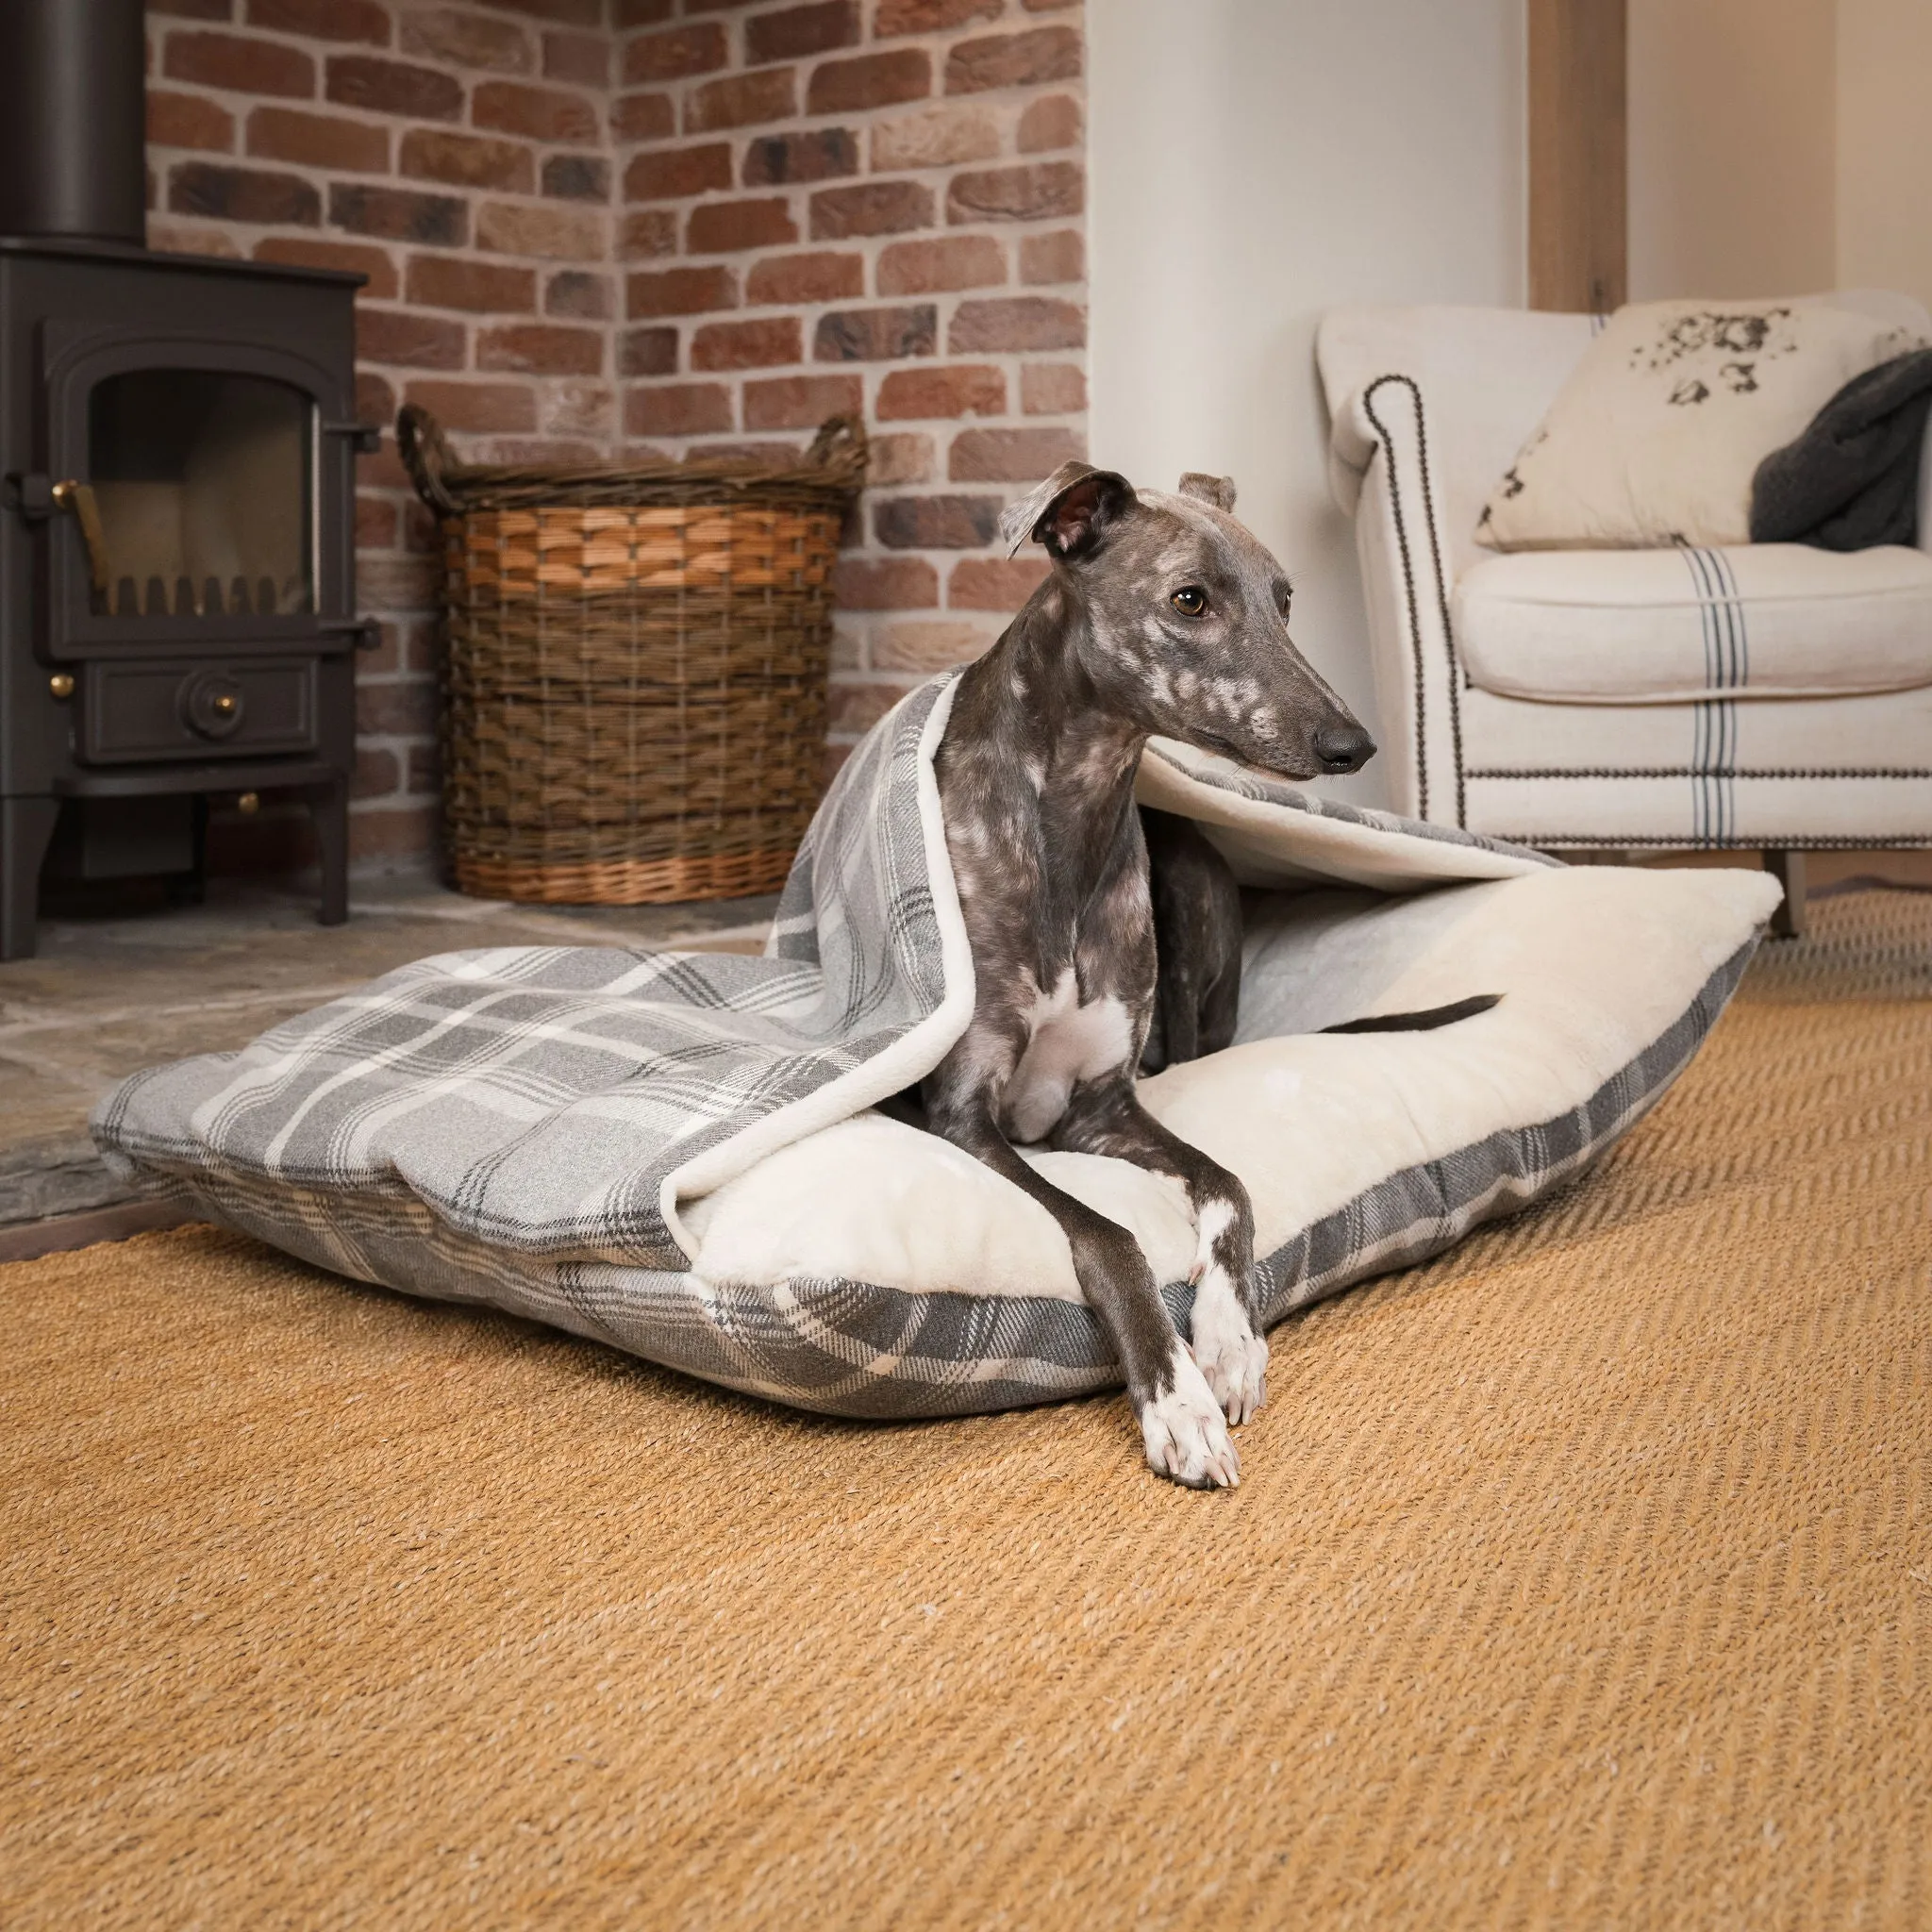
column 1655, row 436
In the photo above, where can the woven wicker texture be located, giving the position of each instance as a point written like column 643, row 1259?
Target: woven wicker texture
column 636, row 660
column 1582, row 1578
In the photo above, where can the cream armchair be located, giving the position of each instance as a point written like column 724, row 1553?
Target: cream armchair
column 1770, row 696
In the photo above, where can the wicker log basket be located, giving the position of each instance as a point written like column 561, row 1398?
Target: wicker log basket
column 635, row 695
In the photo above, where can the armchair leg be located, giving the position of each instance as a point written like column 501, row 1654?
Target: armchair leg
column 1788, row 869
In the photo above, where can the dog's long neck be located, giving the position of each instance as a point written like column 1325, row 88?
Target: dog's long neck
column 1029, row 702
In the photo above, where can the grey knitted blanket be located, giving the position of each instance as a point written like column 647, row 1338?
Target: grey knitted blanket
column 1851, row 481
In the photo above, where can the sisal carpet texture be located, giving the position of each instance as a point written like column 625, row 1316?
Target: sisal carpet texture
column 1583, row 1579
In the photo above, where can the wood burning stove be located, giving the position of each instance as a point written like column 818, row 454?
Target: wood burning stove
column 178, row 442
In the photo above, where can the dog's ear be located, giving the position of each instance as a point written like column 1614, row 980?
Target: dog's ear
column 1219, row 491
column 1068, row 512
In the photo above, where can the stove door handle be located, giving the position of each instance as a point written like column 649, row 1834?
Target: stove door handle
column 77, row 499
column 37, row 496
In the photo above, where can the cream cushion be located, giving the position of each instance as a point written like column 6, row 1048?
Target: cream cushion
column 1596, row 965
column 1657, row 433
column 1660, row 626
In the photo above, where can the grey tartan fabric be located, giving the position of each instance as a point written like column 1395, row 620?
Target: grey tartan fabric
column 506, row 1126
column 853, row 1348
column 537, row 1097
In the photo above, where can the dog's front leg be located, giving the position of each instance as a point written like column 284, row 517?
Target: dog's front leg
column 1106, row 1117
column 1181, row 1423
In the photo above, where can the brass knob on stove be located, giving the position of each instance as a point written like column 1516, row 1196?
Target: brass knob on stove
column 211, row 704
column 248, row 801
column 61, row 683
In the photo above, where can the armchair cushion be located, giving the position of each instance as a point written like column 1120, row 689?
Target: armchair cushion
column 1664, row 626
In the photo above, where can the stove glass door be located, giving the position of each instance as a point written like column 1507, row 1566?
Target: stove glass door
column 204, row 495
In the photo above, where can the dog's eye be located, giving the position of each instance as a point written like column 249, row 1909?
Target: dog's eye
column 1189, row 600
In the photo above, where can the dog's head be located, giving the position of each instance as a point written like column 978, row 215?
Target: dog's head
column 1186, row 620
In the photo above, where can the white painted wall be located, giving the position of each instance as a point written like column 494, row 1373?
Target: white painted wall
column 1252, row 163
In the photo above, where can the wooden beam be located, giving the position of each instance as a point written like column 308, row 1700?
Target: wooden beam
column 1577, row 155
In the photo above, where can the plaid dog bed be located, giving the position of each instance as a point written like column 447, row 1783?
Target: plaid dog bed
column 535, row 1127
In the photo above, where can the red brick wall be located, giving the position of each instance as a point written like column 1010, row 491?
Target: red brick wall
column 874, row 206
column 591, row 226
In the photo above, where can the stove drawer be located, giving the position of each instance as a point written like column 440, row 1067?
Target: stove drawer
column 138, row 711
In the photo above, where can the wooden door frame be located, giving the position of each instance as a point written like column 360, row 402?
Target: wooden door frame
column 1578, row 155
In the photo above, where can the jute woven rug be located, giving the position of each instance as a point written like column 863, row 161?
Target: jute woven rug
column 1583, row 1579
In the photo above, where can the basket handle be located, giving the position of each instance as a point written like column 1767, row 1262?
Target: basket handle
column 426, row 454
column 839, row 445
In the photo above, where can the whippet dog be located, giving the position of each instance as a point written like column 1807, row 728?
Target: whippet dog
column 1197, row 909
column 1161, row 614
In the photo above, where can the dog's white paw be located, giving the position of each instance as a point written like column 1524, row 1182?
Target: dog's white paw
column 1232, row 1358
column 1187, row 1435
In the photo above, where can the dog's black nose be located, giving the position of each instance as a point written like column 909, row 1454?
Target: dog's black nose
column 1343, row 747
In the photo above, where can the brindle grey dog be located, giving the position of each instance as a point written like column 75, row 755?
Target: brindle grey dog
column 1162, row 614
column 1197, row 942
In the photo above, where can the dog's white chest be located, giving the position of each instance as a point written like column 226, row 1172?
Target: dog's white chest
column 1067, row 1042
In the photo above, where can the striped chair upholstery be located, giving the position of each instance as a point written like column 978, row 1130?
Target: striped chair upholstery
column 1770, row 696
